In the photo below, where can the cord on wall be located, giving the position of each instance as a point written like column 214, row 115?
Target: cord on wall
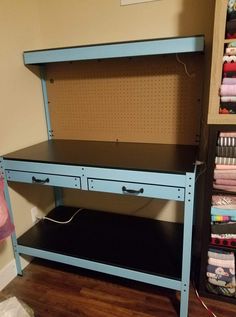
column 185, row 66
column 199, row 163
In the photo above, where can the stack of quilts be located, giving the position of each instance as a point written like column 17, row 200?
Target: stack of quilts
column 223, row 209
column 223, row 220
column 225, row 167
column 221, row 272
column 228, row 85
column 231, row 20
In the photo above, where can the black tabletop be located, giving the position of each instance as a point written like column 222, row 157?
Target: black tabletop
column 120, row 155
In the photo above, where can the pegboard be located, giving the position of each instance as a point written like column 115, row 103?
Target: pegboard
column 142, row 99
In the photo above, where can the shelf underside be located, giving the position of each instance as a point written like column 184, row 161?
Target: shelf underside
column 141, row 244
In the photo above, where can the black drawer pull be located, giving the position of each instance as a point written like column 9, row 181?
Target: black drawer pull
column 40, row 181
column 132, row 191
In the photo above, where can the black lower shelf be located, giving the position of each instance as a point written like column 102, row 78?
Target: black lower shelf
column 219, row 297
column 141, row 244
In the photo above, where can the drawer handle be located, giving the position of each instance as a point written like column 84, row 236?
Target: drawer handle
column 40, row 181
column 132, row 191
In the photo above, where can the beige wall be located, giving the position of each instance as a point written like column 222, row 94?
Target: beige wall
column 21, row 112
column 32, row 24
column 73, row 22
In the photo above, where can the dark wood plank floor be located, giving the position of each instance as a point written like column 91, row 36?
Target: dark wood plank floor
column 57, row 291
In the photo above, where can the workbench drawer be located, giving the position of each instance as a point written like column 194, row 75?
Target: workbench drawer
column 44, row 179
column 137, row 189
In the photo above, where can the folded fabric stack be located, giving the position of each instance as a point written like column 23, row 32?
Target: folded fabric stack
column 223, row 220
column 231, row 20
column 228, row 85
column 223, row 209
column 225, row 168
column 221, row 272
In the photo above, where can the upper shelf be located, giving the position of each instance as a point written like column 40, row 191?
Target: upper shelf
column 112, row 50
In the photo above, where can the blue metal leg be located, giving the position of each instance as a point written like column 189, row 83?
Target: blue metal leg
column 13, row 235
column 57, row 191
column 58, row 196
column 45, row 101
column 187, row 243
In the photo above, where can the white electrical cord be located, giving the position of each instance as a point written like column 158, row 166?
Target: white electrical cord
column 201, row 172
column 185, row 67
column 62, row 222
column 203, row 304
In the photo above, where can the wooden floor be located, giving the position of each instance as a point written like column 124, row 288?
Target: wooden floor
column 57, row 291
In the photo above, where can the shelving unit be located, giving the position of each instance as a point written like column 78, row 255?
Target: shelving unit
column 120, row 245
column 219, row 42
column 214, row 131
column 216, row 66
column 217, row 123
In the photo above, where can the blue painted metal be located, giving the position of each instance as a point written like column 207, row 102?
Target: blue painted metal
column 155, row 178
column 138, row 189
column 45, row 168
column 58, row 196
column 13, row 235
column 2, row 170
column 164, row 179
column 44, row 179
column 46, row 101
column 126, row 49
column 187, row 242
column 103, row 268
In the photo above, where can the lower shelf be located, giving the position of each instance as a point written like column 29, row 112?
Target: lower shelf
column 130, row 242
column 205, row 293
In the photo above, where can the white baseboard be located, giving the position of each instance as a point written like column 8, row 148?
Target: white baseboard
column 8, row 272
